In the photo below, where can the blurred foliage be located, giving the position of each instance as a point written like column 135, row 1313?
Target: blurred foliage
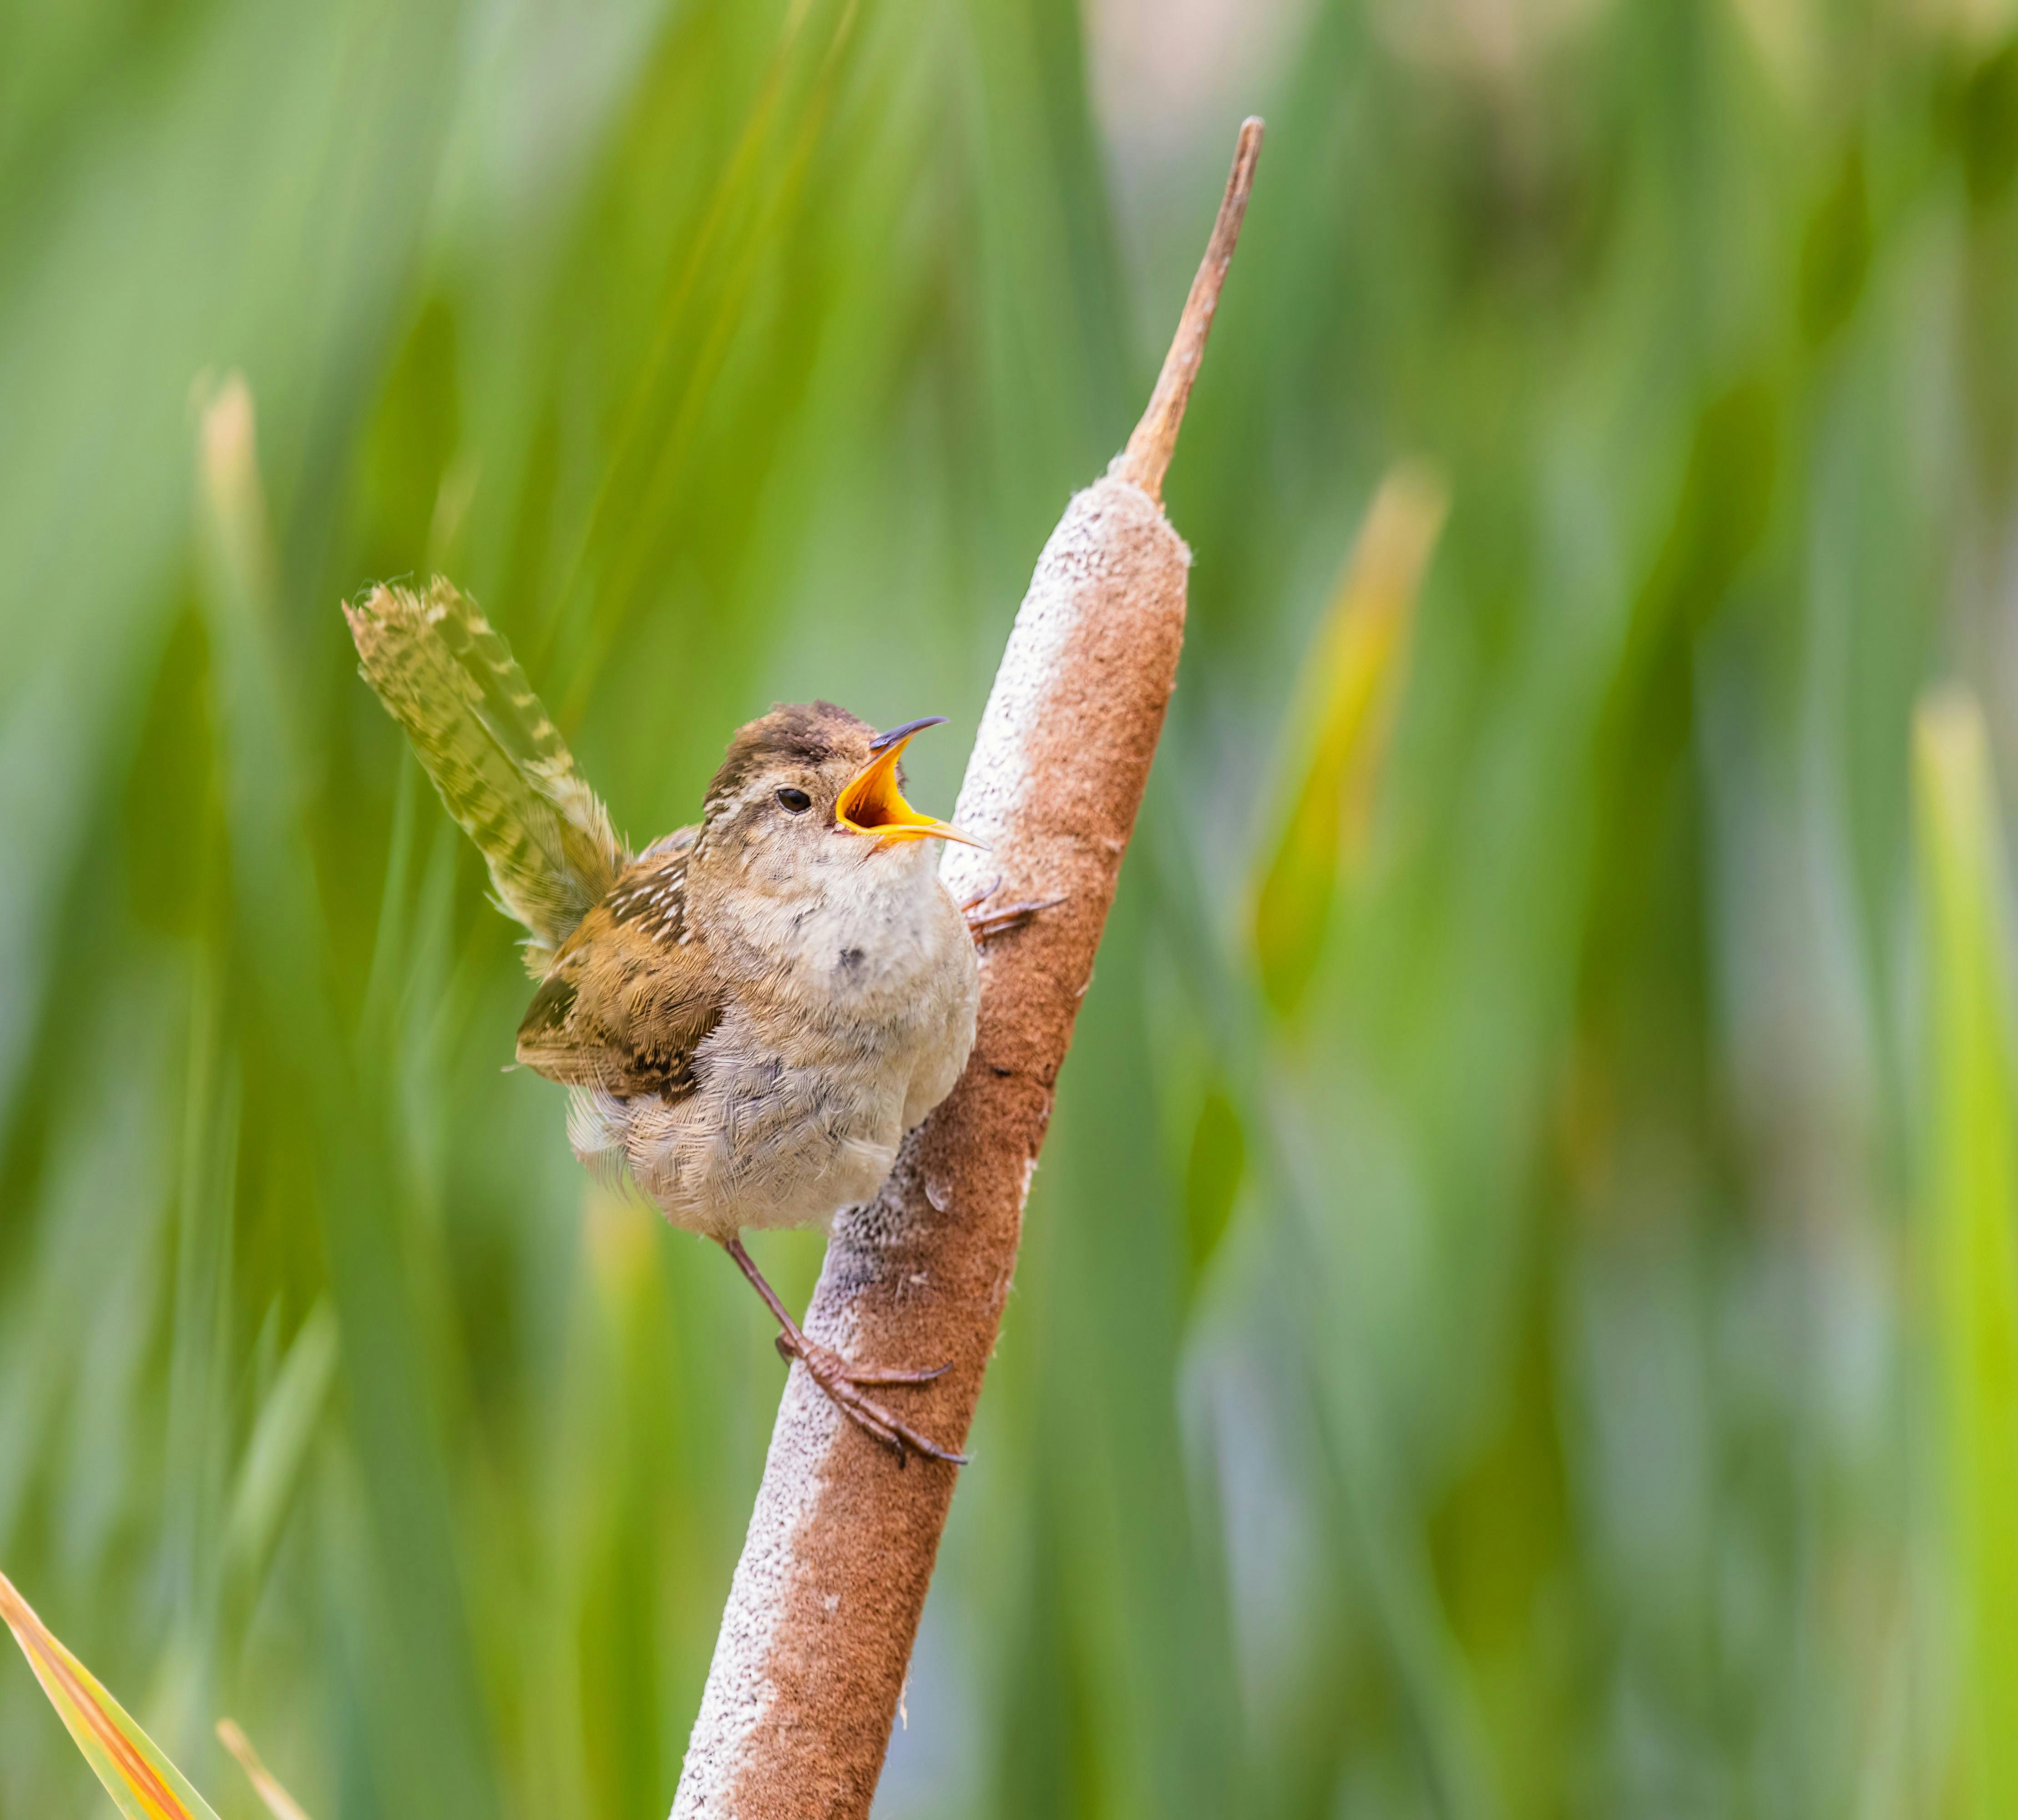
column 1525, row 1343
column 1353, row 676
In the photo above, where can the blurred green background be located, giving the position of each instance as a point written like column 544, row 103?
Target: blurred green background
column 1518, row 1315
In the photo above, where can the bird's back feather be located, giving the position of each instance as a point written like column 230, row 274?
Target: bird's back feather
column 495, row 754
column 633, row 994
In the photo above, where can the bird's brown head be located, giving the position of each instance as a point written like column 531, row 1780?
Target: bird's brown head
column 807, row 776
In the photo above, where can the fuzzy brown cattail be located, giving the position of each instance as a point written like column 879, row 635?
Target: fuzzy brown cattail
column 825, row 1605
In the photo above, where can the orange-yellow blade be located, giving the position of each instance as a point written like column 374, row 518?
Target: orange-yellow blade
column 144, row 1783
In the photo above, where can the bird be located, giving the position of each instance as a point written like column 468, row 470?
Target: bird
column 750, row 1012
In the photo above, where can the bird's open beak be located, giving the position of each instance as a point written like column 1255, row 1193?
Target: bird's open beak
column 873, row 805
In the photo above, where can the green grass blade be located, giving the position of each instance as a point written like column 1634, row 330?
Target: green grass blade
column 1972, row 1156
column 274, row 1457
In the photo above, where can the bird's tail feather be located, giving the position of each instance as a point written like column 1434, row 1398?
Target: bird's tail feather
column 495, row 756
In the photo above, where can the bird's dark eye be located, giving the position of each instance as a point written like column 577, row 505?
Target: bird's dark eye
column 797, row 800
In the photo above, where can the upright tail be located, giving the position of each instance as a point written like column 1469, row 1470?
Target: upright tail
column 496, row 758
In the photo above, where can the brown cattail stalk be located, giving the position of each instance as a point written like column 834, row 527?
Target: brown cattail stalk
column 817, row 1637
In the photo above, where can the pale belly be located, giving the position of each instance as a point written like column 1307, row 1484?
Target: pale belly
column 788, row 1125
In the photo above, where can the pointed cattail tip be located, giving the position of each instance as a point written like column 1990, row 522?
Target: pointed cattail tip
column 1146, row 457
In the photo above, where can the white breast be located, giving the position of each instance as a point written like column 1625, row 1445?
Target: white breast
column 855, row 1022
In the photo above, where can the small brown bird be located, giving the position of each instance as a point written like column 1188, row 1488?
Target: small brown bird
column 749, row 1014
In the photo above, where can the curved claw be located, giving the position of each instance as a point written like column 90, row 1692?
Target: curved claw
column 1013, row 916
column 981, row 897
column 841, row 1382
column 868, row 1374
column 877, row 1375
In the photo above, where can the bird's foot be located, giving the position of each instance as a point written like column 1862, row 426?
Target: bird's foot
column 843, row 1383
column 984, row 924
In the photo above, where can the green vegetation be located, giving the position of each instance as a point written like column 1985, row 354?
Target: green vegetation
column 1517, row 1317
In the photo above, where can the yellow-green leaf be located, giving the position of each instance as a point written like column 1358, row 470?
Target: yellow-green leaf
column 144, row 1783
column 1973, row 1157
column 1351, row 679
